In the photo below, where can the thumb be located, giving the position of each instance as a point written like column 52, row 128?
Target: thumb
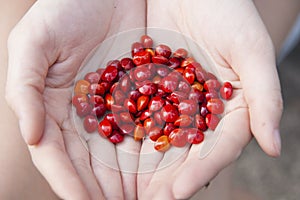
column 258, row 74
column 28, row 67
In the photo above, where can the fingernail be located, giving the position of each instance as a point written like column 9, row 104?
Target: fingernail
column 277, row 141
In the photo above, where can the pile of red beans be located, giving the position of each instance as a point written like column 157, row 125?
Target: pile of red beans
column 163, row 95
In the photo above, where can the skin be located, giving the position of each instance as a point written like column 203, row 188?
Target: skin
column 43, row 58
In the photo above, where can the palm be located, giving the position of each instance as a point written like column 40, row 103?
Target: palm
column 225, row 30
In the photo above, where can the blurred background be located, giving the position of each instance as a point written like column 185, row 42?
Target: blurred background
column 270, row 178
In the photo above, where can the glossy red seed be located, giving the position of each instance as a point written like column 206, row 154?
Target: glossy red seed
column 174, row 63
column 124, row 117
column 127, row 63
column 109, row 100
column 130, row 105
column 142, row 102
column 212, row 94
column 212, row 121
column 98, row 110
column 113, row 87
column 148, row 89
column 212, row 84
column 158, row 119
column 203, row 110
column 96, row 88
column 162, row 71
column 183, row 121
column 160, row 60
column 161, row 93
column 156, row 103
column 180, row 53
column 177, row 97
column 96, row 99
column 112, row 120
column 134, row 95
column 200, row 122
column 187, row 61
column 148, row 124
column 200, row 75
column 136, row 47
column 79, row 98
column 139, row 132
column 90, row 123
column 145, row 114
column 184, row 86
column 106, row 85
column 178, row 137
column 189, row 75
column 163, row 50
column 92, row 77
column 147, row 41
column 215, row 106
column 194, row 136
column 116, row 137
column 109, row 74
column 83, row 109
column 142, row 73
column 125, row 84
column 169, row 113
column 162, row 143
column 226, row 90
column 104, row 128
column 188, row 107
column 169, row 127
column 115, row 63
column 81, row 87
column 141, row 58
column 169, row 83
column 120, row 75
column 154, row 133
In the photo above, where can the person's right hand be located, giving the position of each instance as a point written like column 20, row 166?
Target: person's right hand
column 46, row 49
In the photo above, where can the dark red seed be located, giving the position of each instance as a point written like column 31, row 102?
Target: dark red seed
column 83, row 109
column 136, row 47
column 109, row 74
column 120, row 75
column 127, row 63
column 169, row 127
column 116, row 137
column 142, row 73
column 189, row 75
column 156, row 103
column 145, row 114
column 163, row 50
column 169, row 113
column 96, row 88
column 177, row 97
column 212, row 121
column 212, row 94
column 125, row 84
column 134, row 95
column 197, row 96
column 92, row 77
column 203, row 110
column 201, row 75
column 148, row 89
column 162, row 71
column 160, row 60
column 174, row 63
column 194, row 136
column 115, row 63
column 142, row 102
column 178, row 138
column 154, row 133
column 147, row 41
column 215, row 106
column 112, row 120
column 90, row 123
column 98, row 110
column 141, row 58
column 130, row 105
column 184, row 86
column 113, row 87
column 104, row 128
column 188, row 107
column 226, row 90
column 200, row 122
column 161, row 93
column 106, row 85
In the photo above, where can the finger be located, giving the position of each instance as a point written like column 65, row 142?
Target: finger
column 105, row 166
column 259, row 77
column 51, row 159
column 194, row 173
column 148, row 163
column 80, row 158
column 128, row 159
column 28, row 66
